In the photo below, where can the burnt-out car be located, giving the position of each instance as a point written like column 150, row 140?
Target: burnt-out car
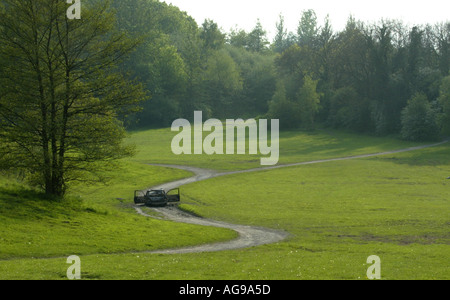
column 157, row 197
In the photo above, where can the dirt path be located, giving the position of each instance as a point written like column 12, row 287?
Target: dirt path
column 248, row 236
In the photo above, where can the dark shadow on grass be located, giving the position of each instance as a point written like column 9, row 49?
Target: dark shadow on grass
column 438, row 156
column 404, row 240
column 25, row 203
column 337, row 144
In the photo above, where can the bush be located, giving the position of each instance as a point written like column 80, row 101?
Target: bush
column 419, row 120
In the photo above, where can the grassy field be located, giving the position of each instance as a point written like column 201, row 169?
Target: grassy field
column 337, row 215
column 295, row 146
column 340, row 213
column 92, row 220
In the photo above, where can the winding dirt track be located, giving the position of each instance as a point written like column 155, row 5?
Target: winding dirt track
column 248, row 236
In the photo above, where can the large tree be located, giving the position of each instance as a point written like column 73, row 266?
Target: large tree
column 61, row 93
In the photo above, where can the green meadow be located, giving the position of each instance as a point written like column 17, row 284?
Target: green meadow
column 340, row 213
column 337, row 214
column 93, row 219
column 295, row 146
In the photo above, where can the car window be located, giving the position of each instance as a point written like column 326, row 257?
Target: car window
column 155, row 193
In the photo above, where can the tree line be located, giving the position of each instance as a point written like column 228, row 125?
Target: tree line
column 382, row 78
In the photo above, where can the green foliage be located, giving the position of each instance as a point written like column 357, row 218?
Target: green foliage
column 254, row 41
column 257, row 40
column 307, row 29
column 169, row 61
column 345, row 109
column 279, row 44
column 383, row 64
column 238, row 38
column 419, row 120
column 282, row 108
column 222, row 80
column 258, row 79
column 295, row 110
column 62, row 91
column 211, row 35
column 309, row 102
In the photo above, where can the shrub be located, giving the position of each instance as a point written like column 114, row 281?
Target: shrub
column 419, row 120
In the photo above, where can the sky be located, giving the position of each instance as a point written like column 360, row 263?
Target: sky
column 245, row 13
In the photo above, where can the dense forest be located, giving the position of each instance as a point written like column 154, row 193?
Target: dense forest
column 383, row 78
